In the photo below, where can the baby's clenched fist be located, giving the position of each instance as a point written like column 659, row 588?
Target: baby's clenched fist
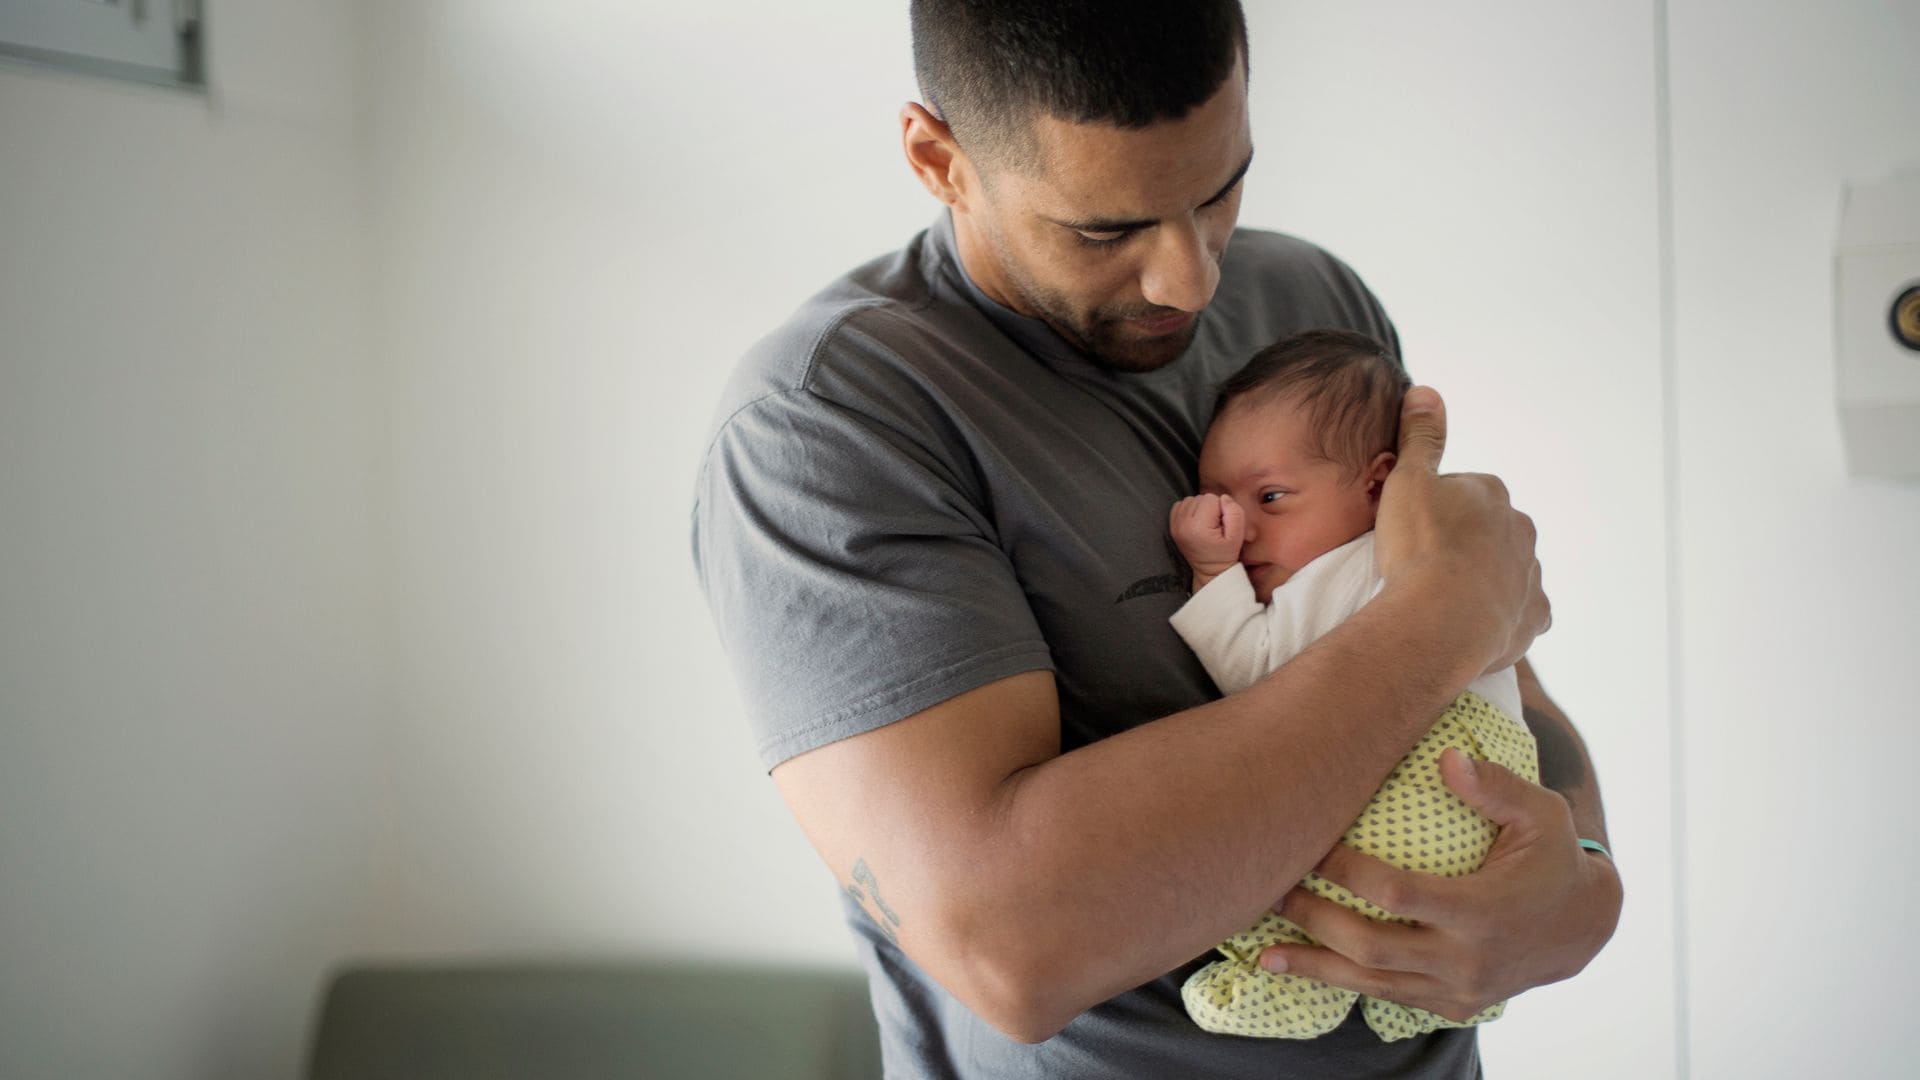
column 1208, row 529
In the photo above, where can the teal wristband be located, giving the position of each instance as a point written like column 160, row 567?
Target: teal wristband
column 1595, row 845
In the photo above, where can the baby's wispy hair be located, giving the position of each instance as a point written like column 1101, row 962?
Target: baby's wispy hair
column 1349, row 384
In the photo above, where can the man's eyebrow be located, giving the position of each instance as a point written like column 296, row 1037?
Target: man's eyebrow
column 1232, row 182
column 1112, row 225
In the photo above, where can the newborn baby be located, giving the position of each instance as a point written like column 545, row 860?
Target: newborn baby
column 1280, row 542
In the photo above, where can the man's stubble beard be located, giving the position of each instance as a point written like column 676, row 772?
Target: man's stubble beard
column 1101, row 335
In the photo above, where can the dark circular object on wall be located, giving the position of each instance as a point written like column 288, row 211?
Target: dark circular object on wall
column 1904, row 317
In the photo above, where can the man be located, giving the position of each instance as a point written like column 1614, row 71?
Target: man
column 931, row 528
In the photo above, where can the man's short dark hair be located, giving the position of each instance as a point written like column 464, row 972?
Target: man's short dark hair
column 1349, row 383
column 988, row 67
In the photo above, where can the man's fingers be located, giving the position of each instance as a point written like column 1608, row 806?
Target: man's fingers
column 1502, row 797
column 1536, row 620
column 1406, row 893
column 1379, row 946
column 1336, row 970
column 1423, row 430
column 1383, row 960
column 1418, row 991
column 1540, row 600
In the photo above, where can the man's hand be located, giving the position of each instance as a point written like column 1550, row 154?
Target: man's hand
column 1208, row 529
column 1456, row 536
column 1538, row 909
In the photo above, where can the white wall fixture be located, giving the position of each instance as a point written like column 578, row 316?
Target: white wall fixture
column 1877, row 327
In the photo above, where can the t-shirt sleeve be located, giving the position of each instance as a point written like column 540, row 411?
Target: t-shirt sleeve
column 852, row 571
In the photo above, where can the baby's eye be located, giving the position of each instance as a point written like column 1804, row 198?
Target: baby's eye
column 1270, row 496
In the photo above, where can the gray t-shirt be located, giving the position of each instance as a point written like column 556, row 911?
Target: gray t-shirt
column 911, row 492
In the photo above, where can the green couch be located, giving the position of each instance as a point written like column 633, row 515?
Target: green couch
column 594, row 1022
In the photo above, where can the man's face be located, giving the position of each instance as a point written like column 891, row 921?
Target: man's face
column 1297, row 506
column 1114, row 236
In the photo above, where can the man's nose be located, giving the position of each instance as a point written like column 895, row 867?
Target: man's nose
column 1181, row 271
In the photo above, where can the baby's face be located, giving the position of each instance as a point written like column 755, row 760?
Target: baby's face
column 1297, row 507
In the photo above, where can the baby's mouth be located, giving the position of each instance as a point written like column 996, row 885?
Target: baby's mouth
column 1267, row 575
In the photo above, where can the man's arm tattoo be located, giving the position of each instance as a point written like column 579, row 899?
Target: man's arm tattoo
column 1562, row 767
column 865, row 884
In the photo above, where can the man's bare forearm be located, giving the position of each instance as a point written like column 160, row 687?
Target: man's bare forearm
column 1111, row 865
column 1564, row 764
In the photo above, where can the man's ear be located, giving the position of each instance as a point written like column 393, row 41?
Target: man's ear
column 1376, row 474
column 934, row 156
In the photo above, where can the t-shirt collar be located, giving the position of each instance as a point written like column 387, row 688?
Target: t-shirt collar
column 1033, row 335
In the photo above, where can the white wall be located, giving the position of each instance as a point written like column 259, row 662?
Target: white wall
column 347, row 433
column 583, row 217
column 1799, row 591
column 192, row 723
